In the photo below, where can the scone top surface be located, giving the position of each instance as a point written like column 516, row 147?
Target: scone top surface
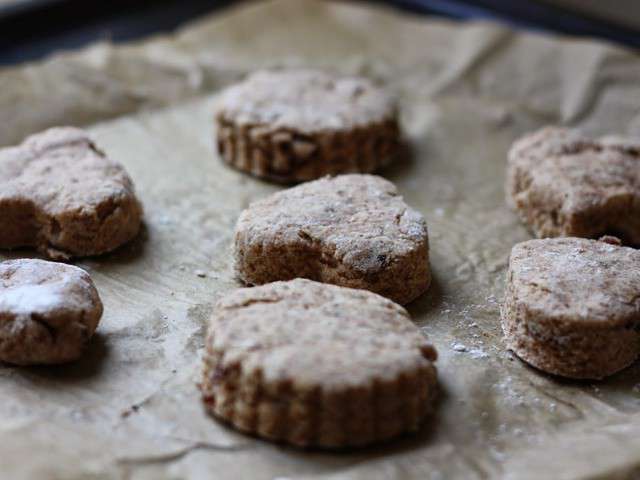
column 317, row 335
column 361, row 216
column 351, row 230
column 577, row 280
column 306, row 100
column 48, row 311
column 566, row 184
column 62, row 194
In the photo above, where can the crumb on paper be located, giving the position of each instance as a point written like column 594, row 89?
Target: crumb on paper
column 134, row 408
column 476, row 353
column 459, row 347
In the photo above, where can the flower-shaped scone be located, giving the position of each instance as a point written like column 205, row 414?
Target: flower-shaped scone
column 296, row 125
column 317, row 365
column 572, row 306
column 61, row 194
column 351, row 230
column 48, row 312
column 562, row 183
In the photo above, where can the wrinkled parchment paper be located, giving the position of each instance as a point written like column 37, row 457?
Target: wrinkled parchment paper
column 130, row 408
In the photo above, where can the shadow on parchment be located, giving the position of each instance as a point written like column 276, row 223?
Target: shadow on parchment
column 623, row 382
column 400, row 165
column 626, row 380
column 88, row 365
column 428, row 301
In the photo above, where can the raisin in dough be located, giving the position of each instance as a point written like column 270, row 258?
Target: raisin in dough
column 572, row 306
column 351, row 230
column 317, row 365
column 562, row 183
column 59, row 193
column 297, row 125
column 48, row 312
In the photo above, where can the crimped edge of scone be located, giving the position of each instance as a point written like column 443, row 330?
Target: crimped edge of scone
column 285, row 155
column 313, row 417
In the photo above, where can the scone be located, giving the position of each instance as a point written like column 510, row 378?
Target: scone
column 317, row 365
column 562, row 183
column 572, row 306
column 297, row 125
column 351, row 230
column 61, row 194
column 48, row 312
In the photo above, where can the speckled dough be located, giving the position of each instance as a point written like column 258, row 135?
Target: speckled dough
column 572, row 306
column 351, row 230
column 59, row 193
column 297, row 125
column 317, row 365
column 564, row 184
column 48, row 312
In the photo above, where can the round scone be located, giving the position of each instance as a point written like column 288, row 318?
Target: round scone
column 563, row 184
column 571, row 306
column 48, row 312
column 351, row 230
column 61, row 194
column 317, row 365
column 297, row 125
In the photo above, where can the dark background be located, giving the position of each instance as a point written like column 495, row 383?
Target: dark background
column 31, row 29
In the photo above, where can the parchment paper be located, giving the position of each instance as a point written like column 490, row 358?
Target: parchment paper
column 130, row 408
